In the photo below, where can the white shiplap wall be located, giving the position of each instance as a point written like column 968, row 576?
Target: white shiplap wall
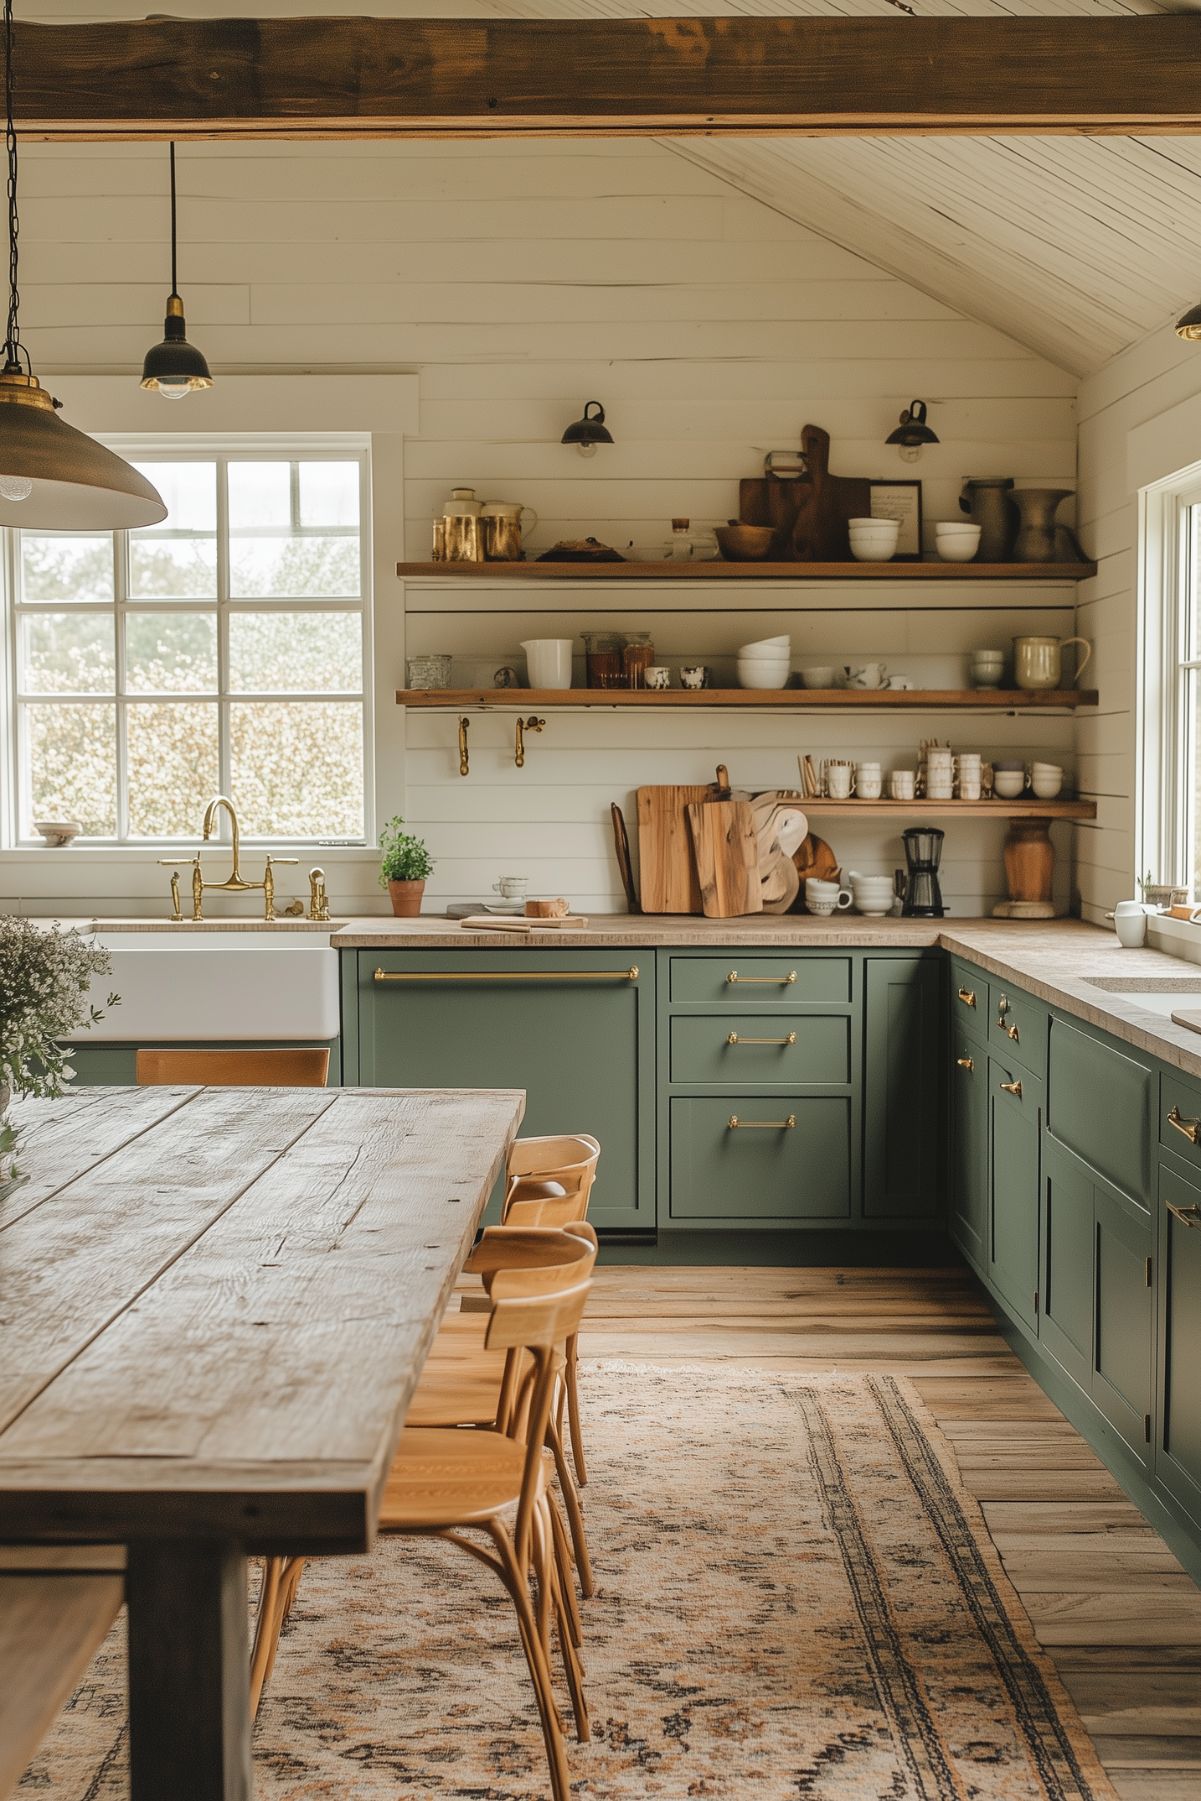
column 520, row 280
column 1132, row 396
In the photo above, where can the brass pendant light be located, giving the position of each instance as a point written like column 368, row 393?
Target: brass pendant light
column 53, row 477
column 175, row 368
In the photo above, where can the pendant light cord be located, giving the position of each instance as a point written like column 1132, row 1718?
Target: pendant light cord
column 13, row 347
column 171, row 149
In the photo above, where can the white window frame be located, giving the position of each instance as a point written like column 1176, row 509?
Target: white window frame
column 1167, row 679
column 233, row 447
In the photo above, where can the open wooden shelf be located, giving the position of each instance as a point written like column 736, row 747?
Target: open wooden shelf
column 719, row 570
column 960, row 809
column 1009, row 700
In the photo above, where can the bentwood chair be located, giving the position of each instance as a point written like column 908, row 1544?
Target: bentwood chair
column 289, row 1067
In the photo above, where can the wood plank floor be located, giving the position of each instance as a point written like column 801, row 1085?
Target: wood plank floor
column 1118, row 1615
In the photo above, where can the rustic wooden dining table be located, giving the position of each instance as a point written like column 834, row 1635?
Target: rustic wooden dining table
column 214, row 1307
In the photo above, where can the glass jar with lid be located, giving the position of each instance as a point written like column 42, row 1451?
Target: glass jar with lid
column 637, row 655
column 602, row 659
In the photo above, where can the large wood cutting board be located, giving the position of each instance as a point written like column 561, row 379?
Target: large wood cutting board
column 726, row 846
column 666, row 866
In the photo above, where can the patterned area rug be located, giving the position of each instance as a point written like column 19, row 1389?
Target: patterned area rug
column 797, row 1599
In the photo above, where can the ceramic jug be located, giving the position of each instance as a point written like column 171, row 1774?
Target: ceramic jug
column 503, row 522
column 987, row 503
column 1038, row 662
column 1035, row 542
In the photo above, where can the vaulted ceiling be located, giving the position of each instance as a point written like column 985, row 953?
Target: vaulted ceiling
column 1075, row 247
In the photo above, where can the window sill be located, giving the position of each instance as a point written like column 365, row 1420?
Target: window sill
column 26, row 855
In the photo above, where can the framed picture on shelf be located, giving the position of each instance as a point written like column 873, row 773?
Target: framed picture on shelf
column 901, row 501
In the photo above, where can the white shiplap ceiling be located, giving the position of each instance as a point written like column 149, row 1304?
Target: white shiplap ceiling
column 1075, row 247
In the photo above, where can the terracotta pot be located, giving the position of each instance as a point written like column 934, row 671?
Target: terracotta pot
column 406, row 898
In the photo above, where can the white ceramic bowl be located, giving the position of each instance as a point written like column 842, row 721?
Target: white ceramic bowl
column 1046, row 787
column 58, row 833
column 762, row 675
column 1008, row 784
column 821, row 675
column 956, row 528
column 873, row 547
column 766, row 646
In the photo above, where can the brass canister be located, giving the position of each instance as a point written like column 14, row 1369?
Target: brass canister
column 464, row 539
column 502, row 538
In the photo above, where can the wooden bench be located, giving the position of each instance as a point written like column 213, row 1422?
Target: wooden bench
column 55, row 1608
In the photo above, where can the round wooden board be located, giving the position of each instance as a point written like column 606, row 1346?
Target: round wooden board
column 813, row 856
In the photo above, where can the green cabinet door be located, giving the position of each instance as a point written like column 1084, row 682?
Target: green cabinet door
column 759, row 1161
column 1123, row 1333
column 968, row 1174
column 1178, row 1403
column 1066, row 1328
column 1015, row 1121
column 903, row 1089
column 575, row 1029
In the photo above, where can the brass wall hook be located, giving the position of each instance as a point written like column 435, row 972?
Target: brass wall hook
column 532, row 724
column 464, row 756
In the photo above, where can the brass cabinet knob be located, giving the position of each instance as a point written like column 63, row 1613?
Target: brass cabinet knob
column 1014, row 1088
column 1188, row 1128
column 968, row 996
column 965, row 1063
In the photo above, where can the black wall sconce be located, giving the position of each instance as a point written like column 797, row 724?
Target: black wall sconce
column 589, row 430
column 912, row 433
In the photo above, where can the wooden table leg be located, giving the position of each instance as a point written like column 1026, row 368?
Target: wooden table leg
column 189, row 1677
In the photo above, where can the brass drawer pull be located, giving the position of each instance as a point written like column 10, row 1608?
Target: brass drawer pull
column 508, row 975
column 968, row 996
column 1188, row 1128
column 1188, row 1216
column 769, row 981
column 734, row 1124
column 1012, row 1032
column 733, row 1038
column 1002, row 1010
column 965, row 1063
column 1014, row 1088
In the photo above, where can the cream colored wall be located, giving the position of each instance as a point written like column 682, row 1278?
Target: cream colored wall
column 519, row 281
column 1125, row 414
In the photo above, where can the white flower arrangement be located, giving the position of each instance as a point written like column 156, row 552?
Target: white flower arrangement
column 45, row 974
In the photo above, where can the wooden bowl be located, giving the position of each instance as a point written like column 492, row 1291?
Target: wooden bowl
column 744, row 543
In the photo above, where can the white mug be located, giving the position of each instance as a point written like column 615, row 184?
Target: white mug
column 694, row 675
column 658, row 675
column 868, row 787
column 902, row 784
column 1130, row 923
column 512, row 887
column 823, row 895
column 865, row 675
column 969, row 787
column 940, row 788
column 840, row 781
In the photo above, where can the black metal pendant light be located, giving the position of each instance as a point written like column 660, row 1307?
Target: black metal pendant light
column 52, row 476
column 912, row 432
column 589, row 430
column 175, row 368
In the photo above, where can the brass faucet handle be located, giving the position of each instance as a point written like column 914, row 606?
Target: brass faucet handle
column 278, row 862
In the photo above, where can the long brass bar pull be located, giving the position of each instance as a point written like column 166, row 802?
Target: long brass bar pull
column 1188, row 1128
column 734, row 1124
column 1188, row 1216
column 965, row 1063
column 735, row 1039
column 1014, row 1088
column 768, row 981
column 507, row 975
column 968, row 996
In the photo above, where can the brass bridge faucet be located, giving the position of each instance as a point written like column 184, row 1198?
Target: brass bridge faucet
column 234, row 882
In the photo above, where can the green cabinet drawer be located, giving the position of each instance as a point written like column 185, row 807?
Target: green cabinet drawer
column 1017, row 1027
column 969, row 1000
column 574, row 1028
column 968, row 1172
column 1015, row 1124
column 1099, row 1105
column 738, row 1160
column 1178, row 1402
column 1180, row 1118
column 746, row 1047
column 738, row 981
column 904, row 1084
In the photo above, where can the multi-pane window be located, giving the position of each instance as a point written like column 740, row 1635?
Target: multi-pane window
column 222, row 651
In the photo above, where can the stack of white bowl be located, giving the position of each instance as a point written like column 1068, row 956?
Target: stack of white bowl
column 873, row 540
column 1046, row 779
column 956, row 540
column 987, row 667
column 874, row 894
column 765, row 664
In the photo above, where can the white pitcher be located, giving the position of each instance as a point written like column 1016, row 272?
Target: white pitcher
column 1038, row 662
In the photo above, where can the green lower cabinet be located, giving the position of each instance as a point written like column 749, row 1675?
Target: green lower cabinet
column 759, row 1161
column 1124, row 1329
column 1178, row 1401
column 575, row 1029
column 1015, row 1125
column 1099, row 1105
column 114, row 1065
column 903, row 1087
column 1066, row 1327
column 968, row 1172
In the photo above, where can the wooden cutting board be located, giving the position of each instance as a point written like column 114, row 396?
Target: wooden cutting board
column 726, row 846
column 813, row 856
column 666, row 867
column 808, row 513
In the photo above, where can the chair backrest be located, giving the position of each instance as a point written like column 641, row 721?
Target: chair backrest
column 289, row 1067
column 534, row 1328
column 550, row 1180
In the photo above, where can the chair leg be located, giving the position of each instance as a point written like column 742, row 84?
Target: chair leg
column 572, row 1667
column 575, row 1515
column 566, row 1572
column 571, row 1380
column 266, row 1629
column 515, row 1580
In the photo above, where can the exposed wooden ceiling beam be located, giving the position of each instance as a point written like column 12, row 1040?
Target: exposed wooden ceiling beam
column 315, row 78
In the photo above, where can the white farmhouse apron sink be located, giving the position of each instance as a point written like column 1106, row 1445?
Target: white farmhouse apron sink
column 216, row 986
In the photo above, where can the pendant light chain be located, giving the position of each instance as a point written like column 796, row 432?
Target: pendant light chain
column 171, row 149
column 13, row 348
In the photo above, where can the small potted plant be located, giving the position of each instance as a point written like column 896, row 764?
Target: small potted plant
column 45, row 975
column 403, row 868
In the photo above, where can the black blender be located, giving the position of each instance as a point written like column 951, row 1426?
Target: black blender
column 923, row 851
